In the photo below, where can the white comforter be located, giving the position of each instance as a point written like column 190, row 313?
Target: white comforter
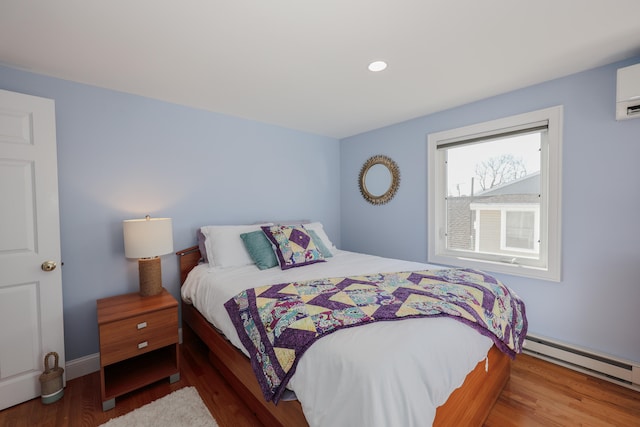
column 381, row 374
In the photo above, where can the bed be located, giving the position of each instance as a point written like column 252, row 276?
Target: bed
column 384, row 389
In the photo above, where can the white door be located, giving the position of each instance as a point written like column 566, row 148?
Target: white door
column 30, row 298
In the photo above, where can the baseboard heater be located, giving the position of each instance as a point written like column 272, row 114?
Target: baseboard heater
column 622, row 372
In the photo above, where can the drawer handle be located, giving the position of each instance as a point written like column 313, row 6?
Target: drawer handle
column 143, row 344
column 142, row 325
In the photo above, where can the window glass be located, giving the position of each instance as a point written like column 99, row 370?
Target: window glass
column 488, row 184
column 494, row 195
column 520, row 230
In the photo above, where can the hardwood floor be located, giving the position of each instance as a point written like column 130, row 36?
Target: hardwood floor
column 538, row 394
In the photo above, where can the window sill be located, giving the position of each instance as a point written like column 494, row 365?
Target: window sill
column 549, row 274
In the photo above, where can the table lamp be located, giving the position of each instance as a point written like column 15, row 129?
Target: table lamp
column 147, row 239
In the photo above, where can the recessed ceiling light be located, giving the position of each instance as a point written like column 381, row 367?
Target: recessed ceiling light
column 376, row 66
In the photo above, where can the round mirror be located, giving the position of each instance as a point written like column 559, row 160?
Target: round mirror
column 379, row 179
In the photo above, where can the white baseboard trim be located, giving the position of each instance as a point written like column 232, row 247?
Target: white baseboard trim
column 89, row 364
column 82, row 366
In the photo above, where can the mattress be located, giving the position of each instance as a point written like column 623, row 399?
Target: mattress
column 379, row 374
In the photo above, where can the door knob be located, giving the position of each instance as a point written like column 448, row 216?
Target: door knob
column 48, row 266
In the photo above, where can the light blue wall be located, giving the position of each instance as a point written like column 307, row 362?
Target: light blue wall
column 122, row 156
column 596, row 304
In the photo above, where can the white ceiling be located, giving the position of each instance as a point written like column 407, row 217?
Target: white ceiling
column 302, row 64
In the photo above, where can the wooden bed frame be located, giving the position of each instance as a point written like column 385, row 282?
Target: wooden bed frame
column 468, row 405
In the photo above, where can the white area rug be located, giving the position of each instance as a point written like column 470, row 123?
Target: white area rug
column 183, row 407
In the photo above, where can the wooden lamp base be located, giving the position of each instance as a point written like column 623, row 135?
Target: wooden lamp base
column 150, row 271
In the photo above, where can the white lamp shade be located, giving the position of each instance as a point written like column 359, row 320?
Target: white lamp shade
column 147, row 238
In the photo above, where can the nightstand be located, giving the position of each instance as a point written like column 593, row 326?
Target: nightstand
column 138, row 343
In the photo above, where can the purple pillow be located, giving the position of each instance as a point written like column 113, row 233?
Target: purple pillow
column 293, row 245
column 201, row 246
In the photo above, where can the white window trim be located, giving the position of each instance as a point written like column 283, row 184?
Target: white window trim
column 551, row 189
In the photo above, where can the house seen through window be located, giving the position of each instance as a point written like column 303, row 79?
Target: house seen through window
column 494, row 195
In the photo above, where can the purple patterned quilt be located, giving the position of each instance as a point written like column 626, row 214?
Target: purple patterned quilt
column 278, row 323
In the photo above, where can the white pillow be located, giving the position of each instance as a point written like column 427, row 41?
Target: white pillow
column 224, row 245
column 319, row 229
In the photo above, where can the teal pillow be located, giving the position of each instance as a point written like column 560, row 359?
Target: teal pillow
column 320, row 244
column 259, row 249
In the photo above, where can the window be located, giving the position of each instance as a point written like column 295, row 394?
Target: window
column 494, row 195
column 520, row 231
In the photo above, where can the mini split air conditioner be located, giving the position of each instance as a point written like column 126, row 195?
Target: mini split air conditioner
column 628, row 93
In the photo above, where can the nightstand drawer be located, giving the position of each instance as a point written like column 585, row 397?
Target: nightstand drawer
column 136, row 335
